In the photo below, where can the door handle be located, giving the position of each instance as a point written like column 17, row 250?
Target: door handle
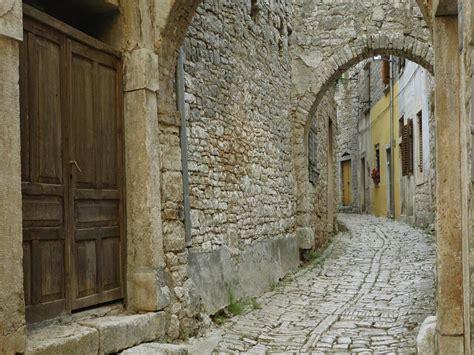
column 76, row 165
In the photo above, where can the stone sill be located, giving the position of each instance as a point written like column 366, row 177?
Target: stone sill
column 90, row 332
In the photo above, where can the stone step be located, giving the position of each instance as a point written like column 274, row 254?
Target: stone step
column 103, row 335
column 156, row 349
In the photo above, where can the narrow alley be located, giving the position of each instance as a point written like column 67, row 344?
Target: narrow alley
column 371, row 292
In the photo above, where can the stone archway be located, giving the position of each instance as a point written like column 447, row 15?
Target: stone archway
column 319, row 75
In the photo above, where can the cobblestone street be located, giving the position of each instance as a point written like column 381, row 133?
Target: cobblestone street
column 370, row 294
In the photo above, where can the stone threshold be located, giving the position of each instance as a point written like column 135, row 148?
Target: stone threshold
column 101, row 331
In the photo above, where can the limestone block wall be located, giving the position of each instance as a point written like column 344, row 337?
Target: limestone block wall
column 331, row 36
column 237, row 102
column 323, row 193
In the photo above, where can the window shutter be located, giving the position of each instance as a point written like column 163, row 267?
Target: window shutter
column 405, row 139
column 410, row 147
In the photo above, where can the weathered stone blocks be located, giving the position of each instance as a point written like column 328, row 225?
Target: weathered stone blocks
column 63, row 340
column 116, row 333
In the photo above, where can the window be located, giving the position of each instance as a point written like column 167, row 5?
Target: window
column 407, row 149
column 377, row 157
column 401, row 65
column 312, row 157
column 419, row 118
column 401, row 122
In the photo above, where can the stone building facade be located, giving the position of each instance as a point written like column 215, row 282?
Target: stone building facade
column 162, row 297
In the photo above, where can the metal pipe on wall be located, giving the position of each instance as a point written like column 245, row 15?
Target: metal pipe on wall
column 392, row 154
column 180, row 102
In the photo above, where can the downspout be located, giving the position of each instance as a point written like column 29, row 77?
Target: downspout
column 184, row 145
column 392, row 153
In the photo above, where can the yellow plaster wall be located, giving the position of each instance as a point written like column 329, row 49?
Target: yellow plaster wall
column 380, row 134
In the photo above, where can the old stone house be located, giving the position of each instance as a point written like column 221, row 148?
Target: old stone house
column 155, row 180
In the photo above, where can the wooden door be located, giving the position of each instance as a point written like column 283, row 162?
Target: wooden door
column 346, row 183
column 44, row 176
column 96, row 176
column 71, row 150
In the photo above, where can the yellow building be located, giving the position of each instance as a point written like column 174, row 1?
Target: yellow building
column 380, row 152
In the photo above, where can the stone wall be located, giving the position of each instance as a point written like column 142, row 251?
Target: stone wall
column 237, row 95
column 347, row 141
column 332, row 36
column 322, row 194
column 425, row 193
column 242, row 189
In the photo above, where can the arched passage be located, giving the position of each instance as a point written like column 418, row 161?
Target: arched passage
column 397, row 44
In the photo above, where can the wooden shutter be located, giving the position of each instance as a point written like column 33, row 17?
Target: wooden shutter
column 404, row 150
column 411, row 147
column 407, row 148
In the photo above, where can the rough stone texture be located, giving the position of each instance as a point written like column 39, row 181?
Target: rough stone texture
column 11, row 19
column 371, row 293
column 116, row 333
column 12, row 306
column 322, row 196
column 425, row 341
column 63, row 340
column 333, row 36
column 237, row 95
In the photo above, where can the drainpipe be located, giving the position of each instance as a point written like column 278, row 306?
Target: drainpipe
column 392, row 153
column 184, row 145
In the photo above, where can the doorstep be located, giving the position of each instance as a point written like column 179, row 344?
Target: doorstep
column 95, row 335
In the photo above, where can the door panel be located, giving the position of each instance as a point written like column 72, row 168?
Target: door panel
column 43, row 188
column 83, row 119
column 48, row 120
column 71, row 151
column 96, row 191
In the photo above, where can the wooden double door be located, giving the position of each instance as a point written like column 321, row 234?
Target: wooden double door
column 72, row 169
